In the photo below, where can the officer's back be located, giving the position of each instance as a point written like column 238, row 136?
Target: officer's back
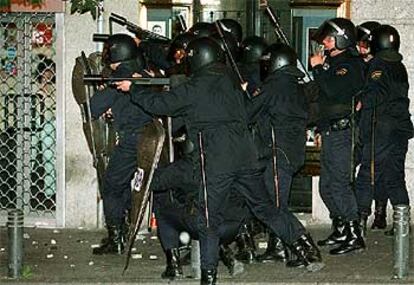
column 211, row 103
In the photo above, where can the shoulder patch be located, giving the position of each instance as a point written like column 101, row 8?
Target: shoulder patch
column 376, row 74
column 341, row 71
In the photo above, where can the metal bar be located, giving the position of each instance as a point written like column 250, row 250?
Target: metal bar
column 220, row 30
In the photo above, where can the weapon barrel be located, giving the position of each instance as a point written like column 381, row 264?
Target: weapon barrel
column 90, row 78
column 140, row 32
column 100, row 37
column 118, row 19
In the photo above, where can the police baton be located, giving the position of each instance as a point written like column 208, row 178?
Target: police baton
column 220, row 30
column 282, row 35
column 274, row 167
column 203, row 176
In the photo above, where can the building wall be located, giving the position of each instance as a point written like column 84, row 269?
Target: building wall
column 80, row 182
column 80, row 176
column 400, row 14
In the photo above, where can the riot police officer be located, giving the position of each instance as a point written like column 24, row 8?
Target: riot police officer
column 340, row 76
column 202, row 29
column 252, row 49
column 177, row 54
column 385, row 99
column 364, row 39
column 176, row 209
column 281, row 114
column 123, row 57
column 233, row 27
column 212, row 104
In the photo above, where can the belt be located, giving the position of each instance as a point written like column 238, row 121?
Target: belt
column 339, row 125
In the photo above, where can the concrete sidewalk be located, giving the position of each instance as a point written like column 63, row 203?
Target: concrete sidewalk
column 65, row 256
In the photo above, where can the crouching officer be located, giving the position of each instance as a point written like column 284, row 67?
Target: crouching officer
column 124, row 59
column 176, row 209
column 340, row 76
column 212, row 105
column 280, row 108
column 385, row 100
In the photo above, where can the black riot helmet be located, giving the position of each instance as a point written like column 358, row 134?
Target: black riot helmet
column 119, row 48
column 231, row 43
column 202, row 29
column 233, row 27
column 275, row 57
column 180, row 42
column 280, row 55
column 385, row 37
column 252, row 49
column 202, row 52
column 343, row 30
column 364, row 31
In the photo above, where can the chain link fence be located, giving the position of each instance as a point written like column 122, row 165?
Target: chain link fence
column 28, row 114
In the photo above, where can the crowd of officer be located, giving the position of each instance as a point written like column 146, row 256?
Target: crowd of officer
column 245, row 140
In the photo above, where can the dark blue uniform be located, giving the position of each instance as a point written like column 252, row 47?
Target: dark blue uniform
column 386, row 91
column 281, row 105
column 340, row 79
column 176, row 206
column 212, row 104
column 128, row 119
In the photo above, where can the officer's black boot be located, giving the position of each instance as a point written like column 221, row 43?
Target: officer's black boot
column 307, row 254
column 173, row 269
column 246, row 247
column 275, row 251
column 115, row 242
column 337, row 236
column 234, row 266
column 354, row 240
column 208, row 277
column 380, row 216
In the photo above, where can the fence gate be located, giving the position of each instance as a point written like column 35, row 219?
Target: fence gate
column 28, row 116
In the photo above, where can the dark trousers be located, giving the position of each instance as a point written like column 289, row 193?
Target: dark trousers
column 389, row 174
column 335, row 183
column 250, row 184
column 174, row 218
column 280, row 193
column 117, row 181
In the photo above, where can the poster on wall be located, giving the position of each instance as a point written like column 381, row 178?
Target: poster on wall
column 158, row 27
column 38, row 6
column 8, row 49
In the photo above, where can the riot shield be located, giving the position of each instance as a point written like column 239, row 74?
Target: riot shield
column 99, row 134
column 149, row 152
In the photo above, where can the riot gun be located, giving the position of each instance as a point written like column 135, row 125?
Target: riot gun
column 281, row 35
column 220, row 30
column 94, row 79
column 100, row 37
column 133, row 28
